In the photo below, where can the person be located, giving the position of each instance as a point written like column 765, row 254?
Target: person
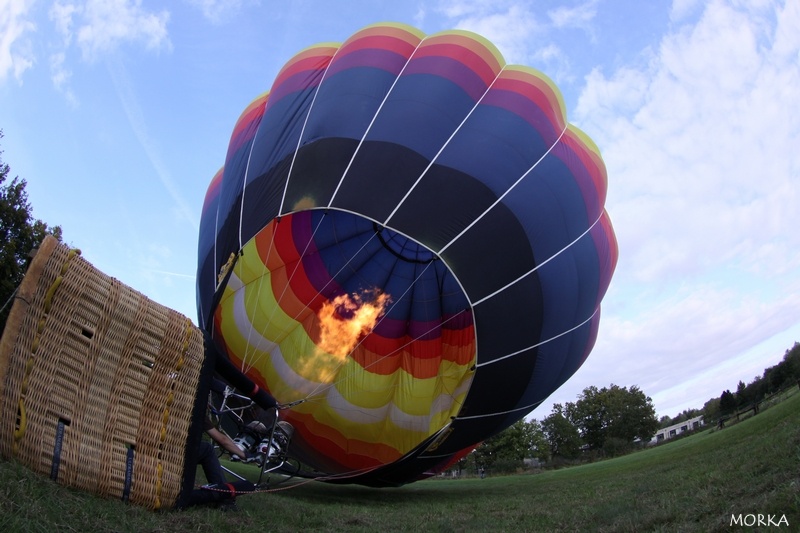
column 217, row 488
column 223, row 440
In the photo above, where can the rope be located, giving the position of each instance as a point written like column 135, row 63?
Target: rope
column 9, row 299
column 305, row 481
column 22, row 417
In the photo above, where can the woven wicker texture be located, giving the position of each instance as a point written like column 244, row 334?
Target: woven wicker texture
column 97, row 382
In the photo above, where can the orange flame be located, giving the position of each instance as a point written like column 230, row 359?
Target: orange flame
column 346, row 319
column 343, row 322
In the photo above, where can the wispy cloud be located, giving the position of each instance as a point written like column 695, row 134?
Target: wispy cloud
column 217, row 11
column 98, row 28
column 510, row 25
column 579, row 16
column 60, row 75
column 105, row 24
column 700, row 146
column 16, row 55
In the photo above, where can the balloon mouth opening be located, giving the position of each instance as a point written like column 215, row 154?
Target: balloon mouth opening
column 403, row 247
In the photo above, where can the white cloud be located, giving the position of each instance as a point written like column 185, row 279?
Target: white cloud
column 684, row 8
column 217, row 11
column 60, row 75
column 420, row 16
column 61, row 15
column 700, row 146
column 510, row 25
column 16, row 54
column 579, row 16
column 693, row 329
column 525, row 33
column 98, row 27
column 107, row 23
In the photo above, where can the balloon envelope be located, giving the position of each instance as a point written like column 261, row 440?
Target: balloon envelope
column 408, row 239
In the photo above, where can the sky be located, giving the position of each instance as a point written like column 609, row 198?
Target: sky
column 117, row 113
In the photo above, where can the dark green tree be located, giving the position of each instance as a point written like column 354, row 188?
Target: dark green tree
column 614, row 412
column 741, row 394
column 562, row 436
column 711, row 410
column 507, row 450
column 20, row 233
column 589, row 414
column 784, row 374
column 727, row 403
column 791, row 360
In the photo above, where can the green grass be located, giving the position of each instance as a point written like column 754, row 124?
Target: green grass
column 693, row 484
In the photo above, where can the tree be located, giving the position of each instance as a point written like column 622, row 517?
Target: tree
column 613, row 413
column 562, row 436
column 686, row 414
column 711, row 410
column 590, row 415
column 791, row 360
column 741, row 394
column 727, row 403
column 538, row 446
column 507, row 450
column 19, row 235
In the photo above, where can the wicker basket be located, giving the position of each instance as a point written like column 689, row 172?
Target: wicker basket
column 98, row 383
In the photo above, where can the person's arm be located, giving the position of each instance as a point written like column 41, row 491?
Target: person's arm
column 225, row 441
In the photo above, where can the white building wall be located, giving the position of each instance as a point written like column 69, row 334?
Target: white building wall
column 676, row 429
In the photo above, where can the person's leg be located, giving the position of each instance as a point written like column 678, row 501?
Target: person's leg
column 217, row 488
column 207, row 459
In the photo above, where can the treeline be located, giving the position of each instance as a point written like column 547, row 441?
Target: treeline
column 613, row 421
column 603, row 422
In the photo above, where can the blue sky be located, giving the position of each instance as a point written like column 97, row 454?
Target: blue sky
column 118, row 113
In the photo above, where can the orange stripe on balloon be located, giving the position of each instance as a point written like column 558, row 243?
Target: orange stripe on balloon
column 349, row 453
column 420, row 359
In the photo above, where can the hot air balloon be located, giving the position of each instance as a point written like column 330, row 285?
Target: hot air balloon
column 408, row 245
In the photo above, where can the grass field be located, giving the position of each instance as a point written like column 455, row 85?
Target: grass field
column 694, row 484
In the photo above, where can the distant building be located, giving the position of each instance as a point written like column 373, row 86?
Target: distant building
column 676, row 429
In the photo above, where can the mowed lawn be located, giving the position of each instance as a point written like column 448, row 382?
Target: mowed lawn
column 700, row 483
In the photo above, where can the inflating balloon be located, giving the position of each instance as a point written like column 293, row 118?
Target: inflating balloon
column 407, row 243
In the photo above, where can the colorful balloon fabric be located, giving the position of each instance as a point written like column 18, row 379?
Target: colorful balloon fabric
column 409, row 240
